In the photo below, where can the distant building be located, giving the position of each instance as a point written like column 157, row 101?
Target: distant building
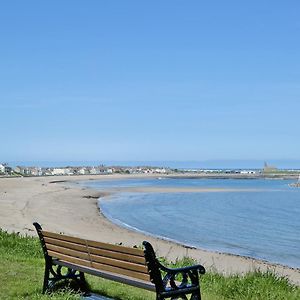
column 46, row 172
column 247, row 172
column 8, row 170
column 269, row 168
column 58, row 171
column 83, row 171
column 21, row 170
column 94, row 171
column 2, row 169
column 109, row 171
column 35, row 171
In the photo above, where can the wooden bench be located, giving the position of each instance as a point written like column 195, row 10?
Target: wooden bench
column 132, row 266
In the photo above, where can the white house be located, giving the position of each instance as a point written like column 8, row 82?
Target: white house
column 2, row 169
column 94, row 171
column 82, row 171
column 247, row 172
column 58, row 171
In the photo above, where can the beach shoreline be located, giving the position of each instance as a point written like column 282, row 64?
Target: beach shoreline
column 73, row 209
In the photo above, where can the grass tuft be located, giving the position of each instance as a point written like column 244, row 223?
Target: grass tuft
column 13, row 244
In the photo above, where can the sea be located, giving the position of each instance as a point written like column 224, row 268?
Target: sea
column 258, row 218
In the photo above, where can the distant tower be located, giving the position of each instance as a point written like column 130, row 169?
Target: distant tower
column 269, row 168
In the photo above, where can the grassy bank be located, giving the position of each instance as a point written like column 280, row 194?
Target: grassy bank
column 22, row 266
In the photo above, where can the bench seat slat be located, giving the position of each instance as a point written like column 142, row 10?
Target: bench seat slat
column 118, row 255
column 117, row 270
column 99, row 266
column 116, row 248
column 110, row 276
column 119, row 263
column 70, row 252
column 96, row 251
column 99, row 245
column 98, row 259
column 69, row 245
column 70, row 259
column 62, row 237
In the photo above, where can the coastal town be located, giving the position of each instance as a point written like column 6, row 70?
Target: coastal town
column 7, row 170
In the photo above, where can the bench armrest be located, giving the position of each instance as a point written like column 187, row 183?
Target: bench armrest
column 176, row 279
column 187, row 269
column 172, row 282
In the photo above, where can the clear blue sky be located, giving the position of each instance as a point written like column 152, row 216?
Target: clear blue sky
column 149, row 80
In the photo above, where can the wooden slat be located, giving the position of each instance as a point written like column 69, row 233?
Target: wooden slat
column 95, row 251
column 99, row 266
column 110, row 276
column 100, row 256
column 70, row 259
column 69, row 245
column 63, row 237
column 119, row 264
column 98, row 259
column 95, row 244
column 116, row 248
column 70, row 252
column 117, row 255
column 116, row 270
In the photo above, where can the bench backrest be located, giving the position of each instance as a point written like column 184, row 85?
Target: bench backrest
column 132, row 266
column 96, row 255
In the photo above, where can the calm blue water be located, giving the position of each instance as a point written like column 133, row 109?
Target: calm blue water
column 263, row 223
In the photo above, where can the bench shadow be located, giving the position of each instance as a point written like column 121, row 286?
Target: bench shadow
column 77, row 288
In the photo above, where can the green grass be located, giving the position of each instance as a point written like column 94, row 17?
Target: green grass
column 22, row 267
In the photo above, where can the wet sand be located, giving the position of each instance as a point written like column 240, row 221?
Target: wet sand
column 71, row 209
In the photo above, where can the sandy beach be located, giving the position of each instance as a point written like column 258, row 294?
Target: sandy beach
column 70, row 209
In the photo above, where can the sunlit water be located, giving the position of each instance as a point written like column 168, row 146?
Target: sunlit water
column 262, row 222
